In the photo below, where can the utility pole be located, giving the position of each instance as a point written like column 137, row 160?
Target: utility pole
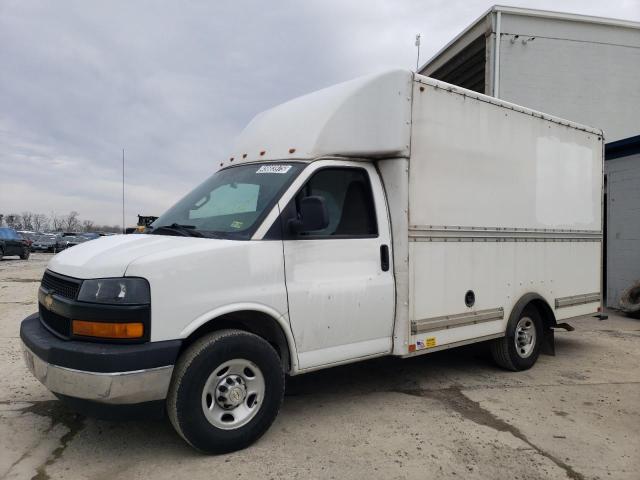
column 123, row 224
column 418, row 57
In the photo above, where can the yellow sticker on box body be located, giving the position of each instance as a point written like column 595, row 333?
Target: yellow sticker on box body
column 428, row 342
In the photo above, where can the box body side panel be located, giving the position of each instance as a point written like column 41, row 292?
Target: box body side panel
column 501, row 203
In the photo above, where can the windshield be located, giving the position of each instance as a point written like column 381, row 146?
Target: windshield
column 232, row 202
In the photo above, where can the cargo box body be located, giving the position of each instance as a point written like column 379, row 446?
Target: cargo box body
column 494, row 202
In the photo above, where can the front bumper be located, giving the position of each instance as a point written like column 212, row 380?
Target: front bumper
column 105, row 373
column 115, row 388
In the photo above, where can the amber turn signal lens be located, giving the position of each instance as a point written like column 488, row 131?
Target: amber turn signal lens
column 107, row 330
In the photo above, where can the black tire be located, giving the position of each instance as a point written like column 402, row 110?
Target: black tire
column 25, row 254
column 185, row 400
column 630, row 301
column 504, row 350
column 1, row 253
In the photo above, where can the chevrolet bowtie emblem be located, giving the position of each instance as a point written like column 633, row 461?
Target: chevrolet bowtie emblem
column 48, row 301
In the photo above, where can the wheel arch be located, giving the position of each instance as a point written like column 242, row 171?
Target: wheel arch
column 255, row 319
column 538, row 301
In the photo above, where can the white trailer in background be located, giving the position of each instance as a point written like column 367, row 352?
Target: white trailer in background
column 390, row 215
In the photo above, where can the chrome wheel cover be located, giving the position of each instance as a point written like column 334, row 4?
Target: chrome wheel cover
column 525, row 337
column 233, row 394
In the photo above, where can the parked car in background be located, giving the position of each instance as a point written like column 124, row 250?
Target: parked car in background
column 28, row 234
column 12, row 243
column 45, row 243
column 62, row 240
column 68, row 241
column 91, row 235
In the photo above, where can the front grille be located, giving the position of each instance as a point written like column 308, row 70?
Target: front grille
column 56, row 323
column 63, row 286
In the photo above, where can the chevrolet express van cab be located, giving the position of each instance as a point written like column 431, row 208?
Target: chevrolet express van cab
column 390, row 215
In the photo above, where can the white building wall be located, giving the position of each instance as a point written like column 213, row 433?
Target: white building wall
column 623, row 225
column 585, row 72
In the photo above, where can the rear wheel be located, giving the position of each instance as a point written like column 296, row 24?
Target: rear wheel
column 25, row 253
column 226, row 391
column 1, row 253
column 520, row 348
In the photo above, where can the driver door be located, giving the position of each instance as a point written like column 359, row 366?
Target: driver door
column 339, row 279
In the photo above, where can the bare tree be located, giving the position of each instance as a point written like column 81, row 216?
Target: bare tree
column 55, row 222
column 70, row 222
column 108, row 228
column 27, row 221
column 88, row 226
column 40, row 222
column 13, row 221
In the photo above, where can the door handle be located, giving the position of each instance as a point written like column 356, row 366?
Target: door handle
column 384, row 258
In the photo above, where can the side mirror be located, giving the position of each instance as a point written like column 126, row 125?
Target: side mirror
column 313, row 213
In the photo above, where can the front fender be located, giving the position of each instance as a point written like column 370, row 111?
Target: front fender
column 281, row 319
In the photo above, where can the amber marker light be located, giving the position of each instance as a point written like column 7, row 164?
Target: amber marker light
column 107, row 330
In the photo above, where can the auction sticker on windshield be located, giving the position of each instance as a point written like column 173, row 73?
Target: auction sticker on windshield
column 274, row 169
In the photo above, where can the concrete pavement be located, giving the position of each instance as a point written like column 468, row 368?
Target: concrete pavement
column 450, row 414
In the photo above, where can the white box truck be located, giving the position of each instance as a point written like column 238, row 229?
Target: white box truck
column 390, row 215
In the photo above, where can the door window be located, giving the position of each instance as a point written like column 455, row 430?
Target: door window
column 349, row 201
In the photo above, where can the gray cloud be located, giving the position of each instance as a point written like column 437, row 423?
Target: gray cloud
column 174, row 82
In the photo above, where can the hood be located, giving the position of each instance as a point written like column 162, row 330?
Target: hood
column 110, row 256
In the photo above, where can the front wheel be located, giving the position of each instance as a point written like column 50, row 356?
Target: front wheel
column 520, row 347
column 25, row 254
column 226, row 391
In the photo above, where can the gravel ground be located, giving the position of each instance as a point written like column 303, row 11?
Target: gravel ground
column 450, row 414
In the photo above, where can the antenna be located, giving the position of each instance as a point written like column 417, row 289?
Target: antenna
column 123, row 225
column 418, row 57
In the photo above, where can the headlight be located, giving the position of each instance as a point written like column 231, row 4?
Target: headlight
column 116, row 291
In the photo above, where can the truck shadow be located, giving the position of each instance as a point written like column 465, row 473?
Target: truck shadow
column 467, row 366
column 440, row 369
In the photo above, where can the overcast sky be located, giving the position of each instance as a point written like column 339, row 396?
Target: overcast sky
column 174, row 82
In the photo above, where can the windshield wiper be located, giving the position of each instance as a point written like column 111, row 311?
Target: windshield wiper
column 176, row 228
